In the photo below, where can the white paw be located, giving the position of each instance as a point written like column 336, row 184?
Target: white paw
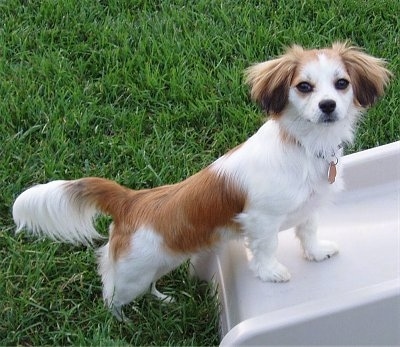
column 119, row 314
column 321, row 251
column 165, row 298
column 270, row 272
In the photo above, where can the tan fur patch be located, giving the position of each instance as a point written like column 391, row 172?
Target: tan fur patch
column 270, row 81
column 187, row 215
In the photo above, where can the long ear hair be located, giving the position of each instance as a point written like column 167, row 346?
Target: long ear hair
column 368, row 74
column 270, row 80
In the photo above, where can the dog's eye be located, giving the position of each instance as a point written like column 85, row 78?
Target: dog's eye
column 341, row 84
column 304, row 87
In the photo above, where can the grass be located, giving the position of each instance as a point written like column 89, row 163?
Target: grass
column 145, row 93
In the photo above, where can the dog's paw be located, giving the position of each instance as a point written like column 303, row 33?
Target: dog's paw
column 270, row 272
column 160, row 296
column 321, row 251
column 119, row 314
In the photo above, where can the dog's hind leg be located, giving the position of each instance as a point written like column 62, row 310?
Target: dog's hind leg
column 132, row 274
column 124, row 279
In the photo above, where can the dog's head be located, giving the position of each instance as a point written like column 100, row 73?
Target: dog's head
column 320, row 86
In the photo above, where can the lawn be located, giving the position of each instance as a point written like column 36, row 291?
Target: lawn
column 144, row 93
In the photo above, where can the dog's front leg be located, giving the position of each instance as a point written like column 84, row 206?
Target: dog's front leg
column 262, row 241
column 314, row 249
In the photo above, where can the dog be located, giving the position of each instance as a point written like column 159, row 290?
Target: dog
column 278, row 178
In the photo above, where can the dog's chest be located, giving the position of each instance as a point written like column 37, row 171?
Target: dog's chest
column 279, row 180
column 294, row 192
column 303, row 210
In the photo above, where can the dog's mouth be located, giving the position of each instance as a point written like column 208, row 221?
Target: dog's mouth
column 328, row 118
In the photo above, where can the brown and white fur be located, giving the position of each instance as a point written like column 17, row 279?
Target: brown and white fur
column 274, row 180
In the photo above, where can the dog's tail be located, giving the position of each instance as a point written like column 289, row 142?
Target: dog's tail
column 65, row 210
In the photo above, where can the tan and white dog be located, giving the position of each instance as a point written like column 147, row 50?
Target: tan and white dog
column 278, row 178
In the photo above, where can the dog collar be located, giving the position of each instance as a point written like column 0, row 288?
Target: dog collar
column 322, row 155
column 332, row 160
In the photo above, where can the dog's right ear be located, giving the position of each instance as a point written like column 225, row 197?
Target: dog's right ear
column 270, row 82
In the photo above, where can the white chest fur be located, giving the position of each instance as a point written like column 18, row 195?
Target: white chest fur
column 280, row 179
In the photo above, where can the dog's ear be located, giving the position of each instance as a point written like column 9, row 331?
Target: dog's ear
column 368, row 74
column 270, row 81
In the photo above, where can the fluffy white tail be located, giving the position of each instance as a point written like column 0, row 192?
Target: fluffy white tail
column 64, row 210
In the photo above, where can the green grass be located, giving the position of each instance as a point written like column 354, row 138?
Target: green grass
column 145, row 93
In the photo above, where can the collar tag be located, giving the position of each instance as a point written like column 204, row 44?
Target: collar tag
column 332, row 172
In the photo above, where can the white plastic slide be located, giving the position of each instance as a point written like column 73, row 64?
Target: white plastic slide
column 350, row 299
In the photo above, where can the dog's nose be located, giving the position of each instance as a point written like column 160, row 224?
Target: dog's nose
column 327, row 106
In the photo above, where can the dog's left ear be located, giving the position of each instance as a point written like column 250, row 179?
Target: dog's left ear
column 368, row 74
column 270, row 81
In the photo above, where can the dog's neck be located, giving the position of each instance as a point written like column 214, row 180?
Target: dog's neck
column 290, row 139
